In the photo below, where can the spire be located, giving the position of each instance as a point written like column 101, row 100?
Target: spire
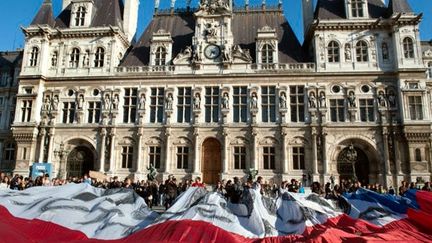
column 45, row 15
column 399, row 6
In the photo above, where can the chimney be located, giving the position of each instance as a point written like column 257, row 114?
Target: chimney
column 308, row 14
column 130, row 18
column 66, row 4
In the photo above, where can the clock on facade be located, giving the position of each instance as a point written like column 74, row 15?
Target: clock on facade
column 212, row 51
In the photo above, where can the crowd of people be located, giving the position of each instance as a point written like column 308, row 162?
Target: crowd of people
column 157, row 193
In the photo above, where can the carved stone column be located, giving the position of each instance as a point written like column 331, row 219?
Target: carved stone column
column 103, row 134
column 51, row 134
column 285, row 167
column 112, row 151
column 167, row 166
column 254, row 149
column 139, row 166
column 196, row 167
column 225, row 152
column 386, row 157
column 42, row 144
column 314, row 154
column 325, row 175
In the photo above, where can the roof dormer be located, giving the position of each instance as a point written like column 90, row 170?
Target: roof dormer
column 81, row 13
column 356, row 9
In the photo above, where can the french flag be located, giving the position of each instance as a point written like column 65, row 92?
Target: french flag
column 82, row 213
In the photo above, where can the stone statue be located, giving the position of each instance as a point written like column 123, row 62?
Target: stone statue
column 252, row 173
column 107, row 102
column 210, row 30
column 115, row 102
column 322, row 100
column 151, row 176
column 392, row 99
column 381, row 99
column 225, row 101
column 351, row 99
column 55, row 102
column 197, row 101
column 312, row 100
column 254, row 101
column 142, row 102
column 226, row 54
column 185, row 54
column 242, row 54
column 283, row 101
column 80, row 101
column 47, row 104
column 348, row 52
column 385, row 51
column 169, row 102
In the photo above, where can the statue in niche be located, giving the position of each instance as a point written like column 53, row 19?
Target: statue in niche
column 225, row 101
column 322, row 99
column 169, row 102
column 392, row 99
column 107, row 102
column 312, row 100
column 348, row 52
column 47, row 103
column 55, row 102
column 351, row 99
column 197, row 101
column 115, row 102
column 254, row 101
column 381, row 99
column 80, row 102
column 210, row 30
column 385, row 51
column 142, row 102
column 226, row 54
column 283, row 101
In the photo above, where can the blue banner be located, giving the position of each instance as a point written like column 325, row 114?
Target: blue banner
column 40, row 169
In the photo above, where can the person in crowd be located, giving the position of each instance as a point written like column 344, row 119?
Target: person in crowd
column 170, row 191
column 198, row 183
column 5, row 183
column 427, row 187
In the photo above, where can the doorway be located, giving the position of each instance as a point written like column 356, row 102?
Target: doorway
column 346, row 170
column 211, row 161
column 80, row 161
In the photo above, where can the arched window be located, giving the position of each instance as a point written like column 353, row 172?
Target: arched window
column 34, row 55
column 99, row 57
column 161, row 54
column 357, row 8
column 9, row 152
column 74, row 58
column 429, row 70
column 333, row 51
column 362, row 51
column 80, row 16
column 267, row 54
column 408, row 47
column 418, row 155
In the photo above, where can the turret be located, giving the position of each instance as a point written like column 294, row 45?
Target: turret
column 130, row 18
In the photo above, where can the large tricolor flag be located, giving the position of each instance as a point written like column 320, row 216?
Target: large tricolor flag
column 81, row 213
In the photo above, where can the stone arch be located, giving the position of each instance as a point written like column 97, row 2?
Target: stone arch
column 362, row 144
column 82, row 156
column 239, row 141
column 269, row 141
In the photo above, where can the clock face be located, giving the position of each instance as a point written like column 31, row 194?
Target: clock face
column 212, row 51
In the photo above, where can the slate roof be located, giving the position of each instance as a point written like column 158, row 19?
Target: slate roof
column 45, row 15
column 106, row 13
column 399, row 6
column 335, row 9
column 10, row 59
column 244, row 28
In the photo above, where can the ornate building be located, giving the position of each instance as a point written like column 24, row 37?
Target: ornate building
column 217, row 91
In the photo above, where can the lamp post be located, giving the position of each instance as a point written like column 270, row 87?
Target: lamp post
column 351, row 157
column 61, row 153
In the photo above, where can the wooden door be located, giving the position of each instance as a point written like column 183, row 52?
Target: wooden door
column 211, row 161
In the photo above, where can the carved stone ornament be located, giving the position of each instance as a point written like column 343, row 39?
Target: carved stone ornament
column 214, row 6
column 428, row 53
column 239, row 53
column 184, row 56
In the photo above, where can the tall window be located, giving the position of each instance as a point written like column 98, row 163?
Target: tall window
column 337, row 110
column 212, row 104
column 418, row 155
column 94, row 112
column 184, row 107
column 357, row 8
column 34, row 55
column 161, row 55
column 408, row 47
column 429, row 70
column 99, row 57
column 298, row 158
column 267, row 54
column 157, row 105
column 80, row 16
column 362, row 51
column 297, row 103
column 240, row 104
column 367, row 110
column 182, row 157
column 26, row 109
column 9, row 152
column 155, row 156
column 127, row 156
column 268, row 98
column 269, row 158
column 129, row 105
column 415, row 107
column 68, row 112
column 239, row 158
column 333, row 51
column 74, row 58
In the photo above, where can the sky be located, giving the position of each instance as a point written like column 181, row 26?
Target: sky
column 17, row 13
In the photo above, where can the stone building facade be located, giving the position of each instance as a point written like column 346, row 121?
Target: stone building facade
column 218, row 91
